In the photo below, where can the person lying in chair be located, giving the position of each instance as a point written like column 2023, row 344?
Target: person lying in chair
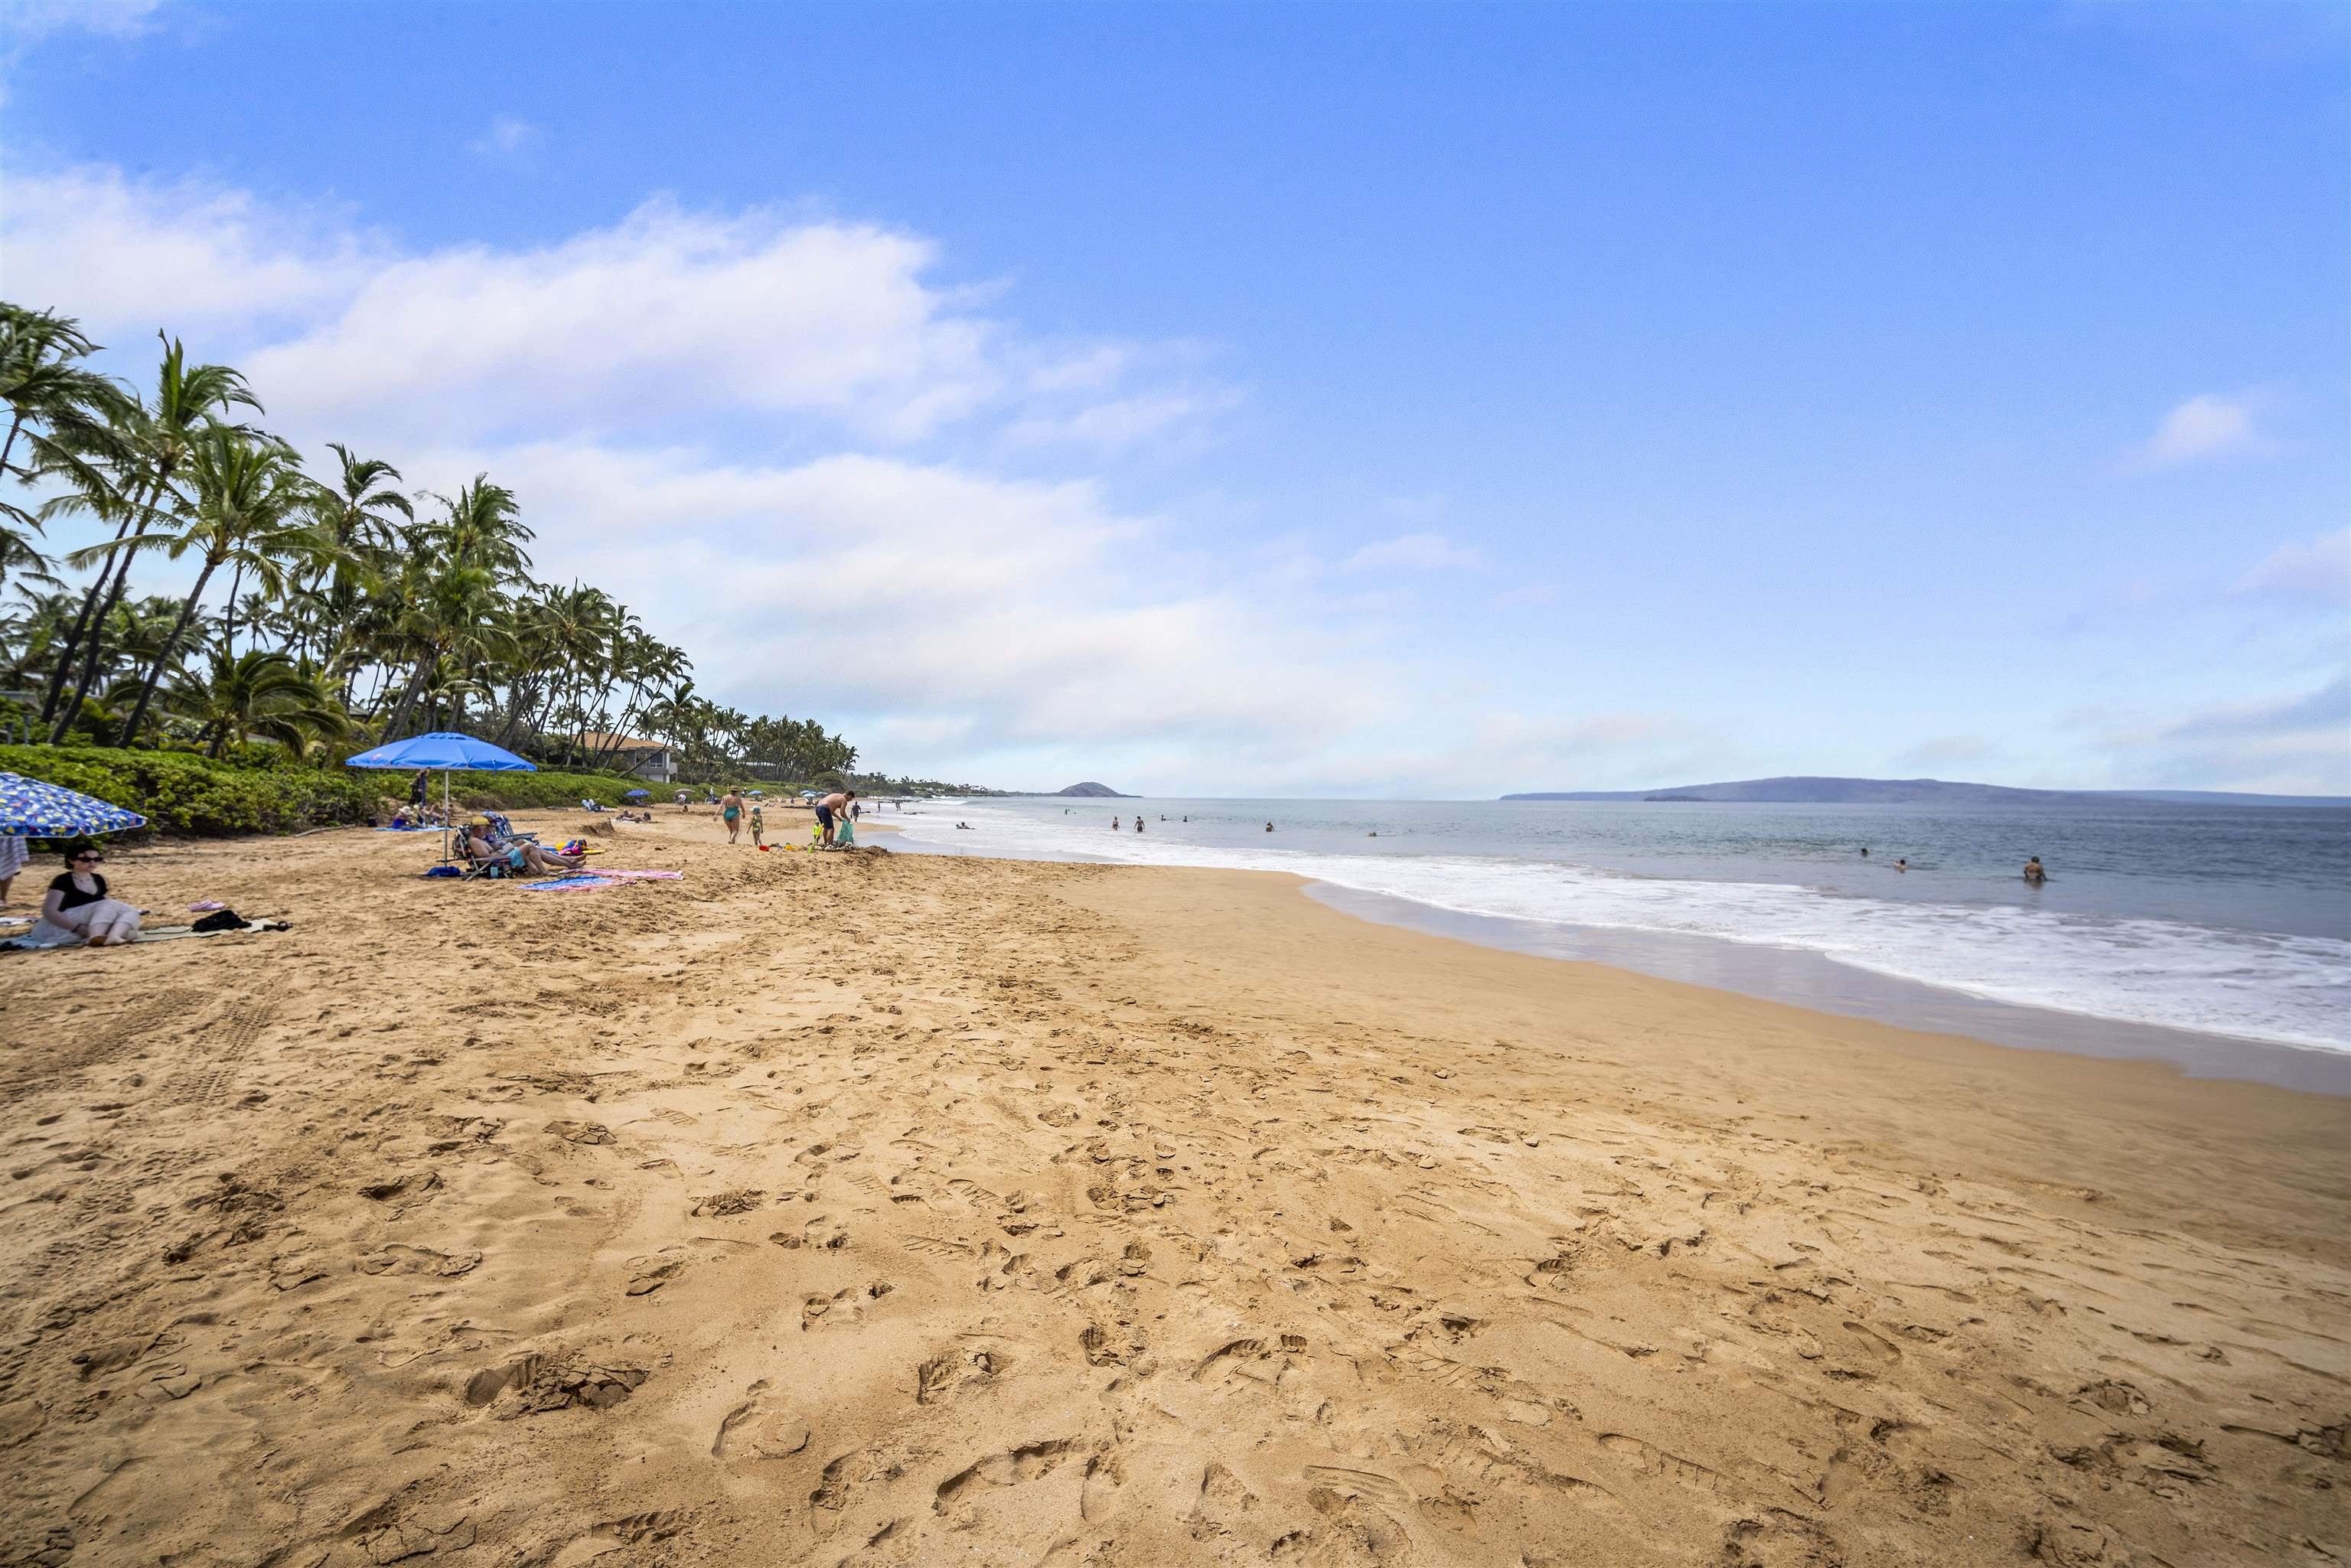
column 483, row 846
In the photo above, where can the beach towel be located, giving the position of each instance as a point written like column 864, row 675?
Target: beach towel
column 582, row 884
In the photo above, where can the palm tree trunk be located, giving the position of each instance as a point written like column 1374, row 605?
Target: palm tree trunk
column 14, row 425
column 89, row 600
column 407, row 699
column 163, row 655
column 228, row 630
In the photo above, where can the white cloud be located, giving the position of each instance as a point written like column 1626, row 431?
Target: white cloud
column 128, row 258
column 1412, row 552
column 665, row 319
column 2206, row 426
column 2297, row 745
column 2317, row 568
column 30, row 21
column 509, row 140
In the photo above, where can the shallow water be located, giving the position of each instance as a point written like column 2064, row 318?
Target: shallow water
column 2218, row 921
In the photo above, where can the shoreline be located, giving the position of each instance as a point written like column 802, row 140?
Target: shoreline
column 1802, row 977
column 895, row 1207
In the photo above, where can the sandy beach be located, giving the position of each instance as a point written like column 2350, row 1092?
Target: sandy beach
column 897, row 1210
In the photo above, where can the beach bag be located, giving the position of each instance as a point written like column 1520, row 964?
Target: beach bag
column 219, row 920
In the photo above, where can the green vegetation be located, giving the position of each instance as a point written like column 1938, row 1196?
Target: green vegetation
column 354, row 613
column 184, row 792
column 179, row 793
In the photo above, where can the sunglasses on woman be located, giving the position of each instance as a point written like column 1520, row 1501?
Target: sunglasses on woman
column 92, row 859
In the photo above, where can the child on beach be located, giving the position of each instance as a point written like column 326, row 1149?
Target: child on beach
column 759, row 828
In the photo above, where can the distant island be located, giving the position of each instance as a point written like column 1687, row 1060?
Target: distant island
column 1094, row 792
column 1818, row 791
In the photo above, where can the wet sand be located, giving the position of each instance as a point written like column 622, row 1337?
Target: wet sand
column 897, row 1210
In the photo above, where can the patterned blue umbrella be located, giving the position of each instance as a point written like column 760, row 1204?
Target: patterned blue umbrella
column 32, row 810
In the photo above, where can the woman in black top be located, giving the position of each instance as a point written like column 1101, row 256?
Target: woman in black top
column 78, row 905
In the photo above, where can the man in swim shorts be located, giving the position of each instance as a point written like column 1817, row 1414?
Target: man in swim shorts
column 832, row 805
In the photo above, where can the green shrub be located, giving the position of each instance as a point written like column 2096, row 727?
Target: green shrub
column 181, row 792
column 184, row 792
column 523, row 791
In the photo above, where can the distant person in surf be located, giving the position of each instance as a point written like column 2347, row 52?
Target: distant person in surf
column 2033, row 872
column 1900, row 864
column 1864, row 851
column 834, row 805
column 1138, row 824
column 1269, row 827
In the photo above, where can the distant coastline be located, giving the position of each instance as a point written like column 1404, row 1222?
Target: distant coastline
column 1805, row 789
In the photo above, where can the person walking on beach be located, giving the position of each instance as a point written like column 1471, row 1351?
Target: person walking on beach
column 420, row 789
column 730, row 812
column 834, row 805
column 758, row 828
column 2033, row 873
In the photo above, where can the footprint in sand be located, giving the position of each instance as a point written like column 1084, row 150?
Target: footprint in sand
column 954, row 1372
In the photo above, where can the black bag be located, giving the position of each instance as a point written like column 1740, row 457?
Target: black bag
column 219, row 920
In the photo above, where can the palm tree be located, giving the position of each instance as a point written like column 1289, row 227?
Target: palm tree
column 453, row 614
column 252, row 510
column 59, row 413
column 160, row 437
column 260, row 692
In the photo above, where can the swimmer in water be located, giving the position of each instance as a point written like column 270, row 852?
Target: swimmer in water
column 2033, row 872
column 1901, row 863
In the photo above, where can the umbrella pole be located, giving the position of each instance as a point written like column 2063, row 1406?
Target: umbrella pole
column 444, row 816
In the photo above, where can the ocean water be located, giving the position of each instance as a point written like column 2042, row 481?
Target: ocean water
column 2222, row 920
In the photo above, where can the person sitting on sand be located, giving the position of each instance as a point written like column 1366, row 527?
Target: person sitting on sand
column 730, row 812
column 832, row 805
column 2033, row 872
column 78, row 907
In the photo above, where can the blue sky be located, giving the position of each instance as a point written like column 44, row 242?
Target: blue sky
column 1237, row 399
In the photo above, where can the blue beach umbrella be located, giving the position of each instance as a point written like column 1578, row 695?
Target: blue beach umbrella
column 635, row 794
column 444, row 750
column 32, row 810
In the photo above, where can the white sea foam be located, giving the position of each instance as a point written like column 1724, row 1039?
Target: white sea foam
column 2291, row 990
